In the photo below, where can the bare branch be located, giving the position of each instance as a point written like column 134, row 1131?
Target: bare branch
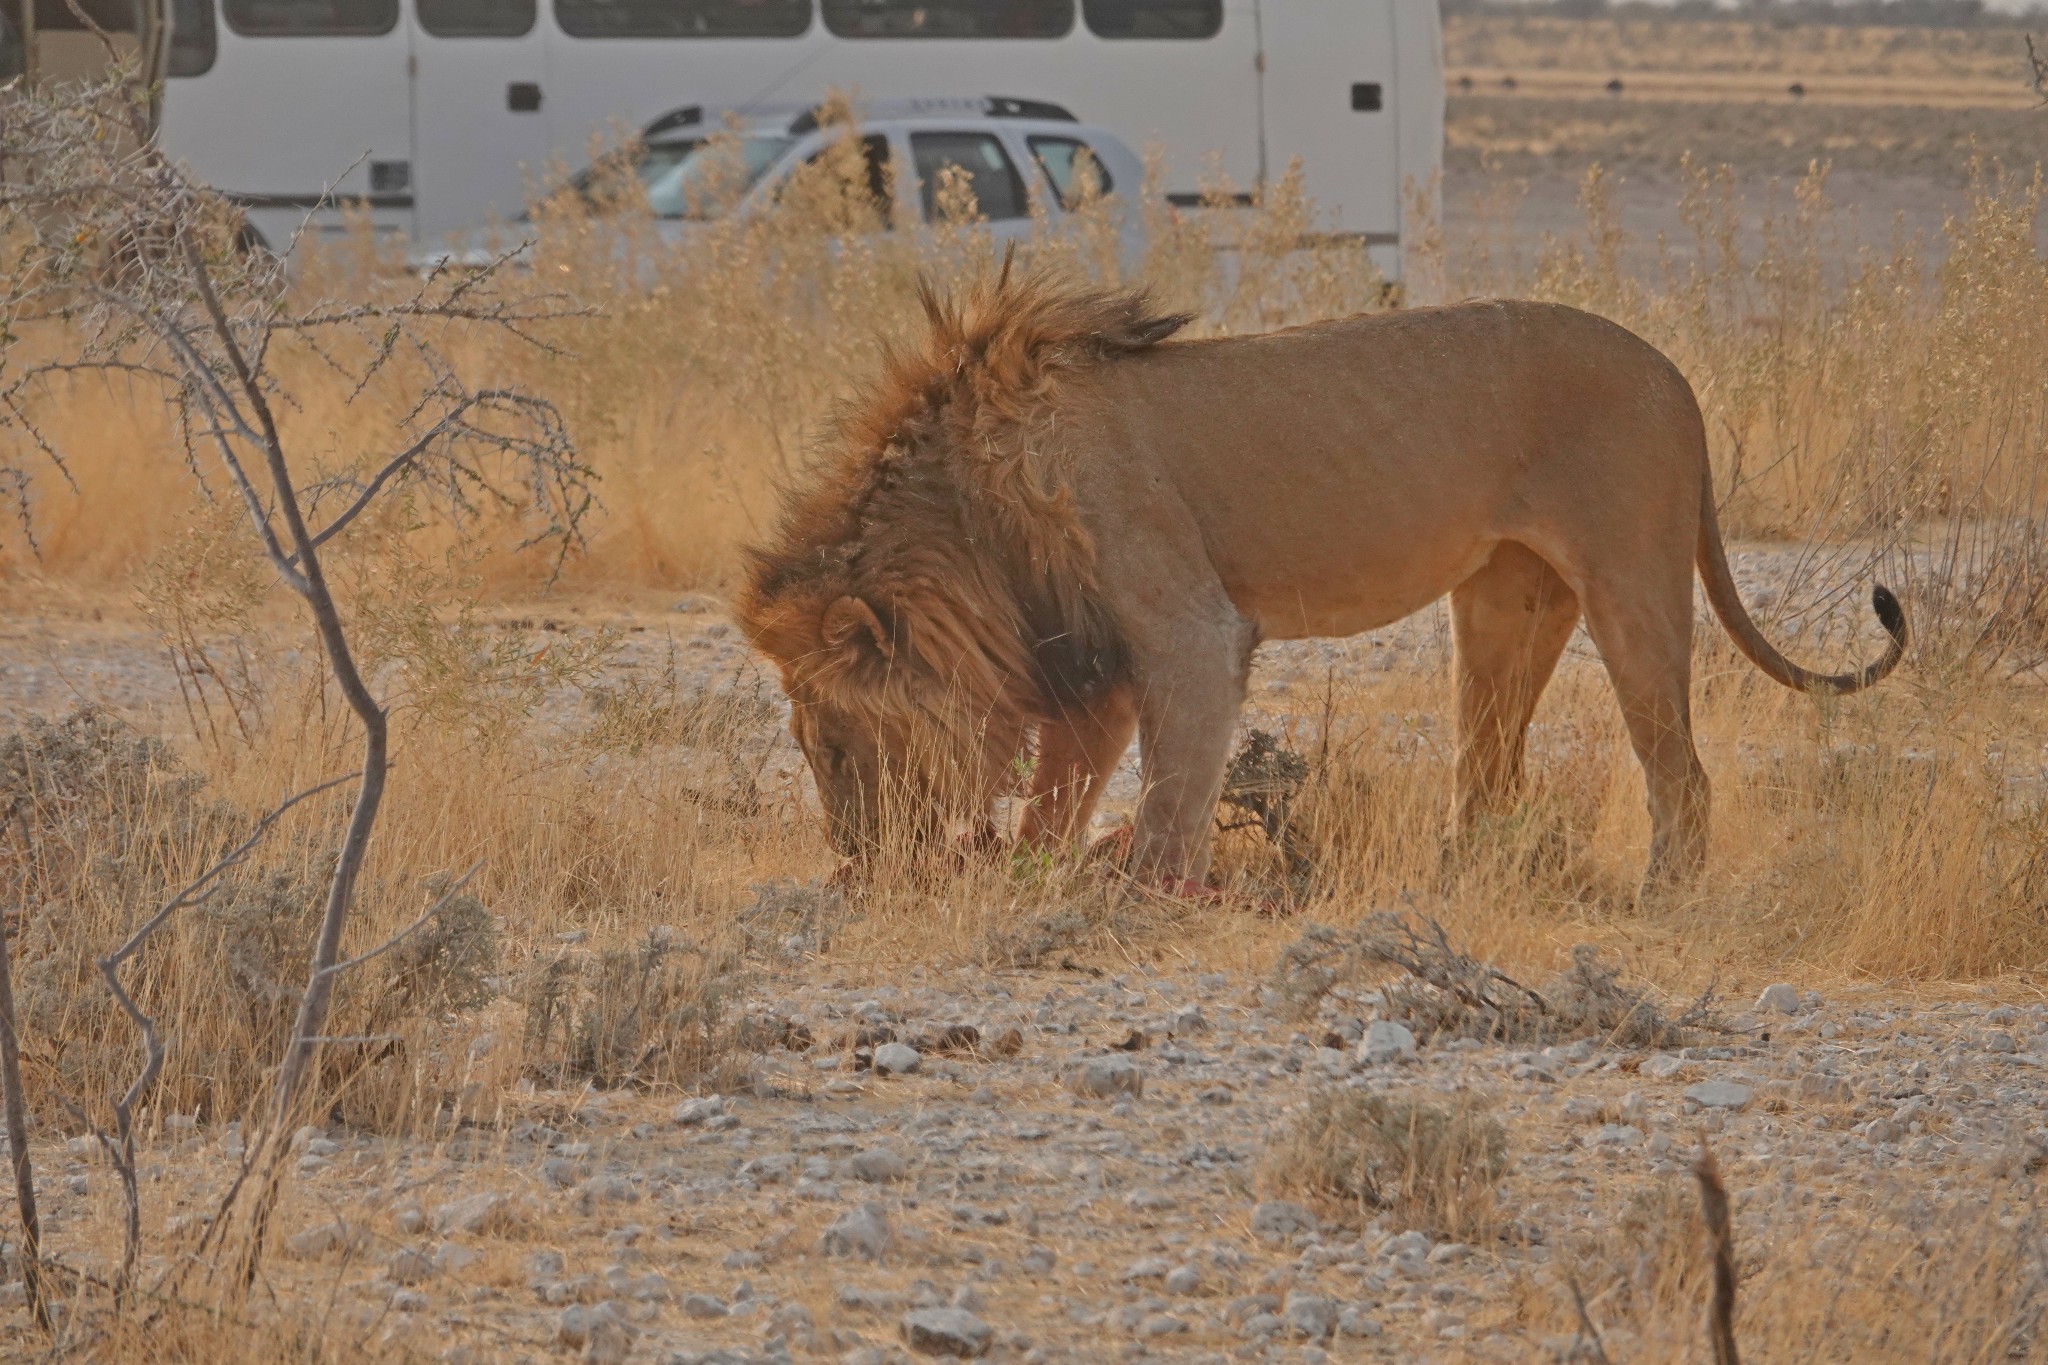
column 197, row 890
column 447, row 898
column 17, row 1133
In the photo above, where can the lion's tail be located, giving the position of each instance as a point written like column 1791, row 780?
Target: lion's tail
column 1712, row 559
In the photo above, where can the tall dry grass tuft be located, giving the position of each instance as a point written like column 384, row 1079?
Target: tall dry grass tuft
column 1427, row 1164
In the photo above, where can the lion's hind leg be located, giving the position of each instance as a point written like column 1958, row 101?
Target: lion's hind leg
column 1642, row 625
column 1510, row 622
column 1077, row 752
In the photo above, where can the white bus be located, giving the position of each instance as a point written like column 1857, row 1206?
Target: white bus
column 436, row 115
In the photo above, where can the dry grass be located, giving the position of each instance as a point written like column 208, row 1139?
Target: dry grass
column 1426, row 1164
column 1915, row 1276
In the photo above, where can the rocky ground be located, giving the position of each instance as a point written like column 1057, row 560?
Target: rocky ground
column 1075, row 1167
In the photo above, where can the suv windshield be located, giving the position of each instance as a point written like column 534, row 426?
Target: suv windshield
column 689, row 178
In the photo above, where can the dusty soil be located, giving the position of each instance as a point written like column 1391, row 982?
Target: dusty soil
column 816, row 1213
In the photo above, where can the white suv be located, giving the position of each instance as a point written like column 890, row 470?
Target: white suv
column 1016, row 155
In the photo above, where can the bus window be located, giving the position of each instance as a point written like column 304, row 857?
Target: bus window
column 683, row 18
column 476, row 18
column 310, row 18
column 949, row 18
column 115, row 16
column 1154, row 18
column 998, row 189
column 1075, row 172
column 193, row 38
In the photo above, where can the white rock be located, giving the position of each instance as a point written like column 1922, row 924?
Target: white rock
column 1663, row 1066
column 1276, row 1218
column 319, row 1240
column 1615, row 1135
column 693, row 1113
column 1403, row 1246
column 1355, row 1322
column 471, row 1214
column 1103, row 1077
column 1822, row 1088
column 409, row 1265
column 1309, row 1315
column 1183, row 1280
column 1718, row 1094
column 946, row 1332
column 1385, row 1041
column 452, row 1258
column 897, row 1059
column 878, row 1166
column 860, row 1232
column 1779, row 998
column 601, row 1332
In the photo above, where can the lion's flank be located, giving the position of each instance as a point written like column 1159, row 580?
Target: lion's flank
column 947, row 506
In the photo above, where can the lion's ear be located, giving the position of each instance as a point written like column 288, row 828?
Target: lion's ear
column 848, row 617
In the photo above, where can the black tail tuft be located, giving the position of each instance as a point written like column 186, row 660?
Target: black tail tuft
column 1889, row 613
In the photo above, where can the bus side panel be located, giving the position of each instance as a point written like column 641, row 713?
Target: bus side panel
column 1332, row 93
column 1420, row 51
column 280, row 122
column 480, row 140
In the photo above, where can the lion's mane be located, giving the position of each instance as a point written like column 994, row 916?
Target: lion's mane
column 944, row 503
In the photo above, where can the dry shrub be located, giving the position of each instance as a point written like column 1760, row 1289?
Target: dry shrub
column 1425, row 1164
column 109, row 824
column 179, row 1332
column 1443, row 992
column 663, row 1013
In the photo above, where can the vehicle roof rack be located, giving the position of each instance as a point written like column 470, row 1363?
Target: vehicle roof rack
column 988, row 106
column 804, row 119
column 1007, row 106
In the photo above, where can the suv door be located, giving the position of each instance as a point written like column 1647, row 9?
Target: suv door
column 984, row 168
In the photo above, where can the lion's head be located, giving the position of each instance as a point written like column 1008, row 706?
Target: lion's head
column 929, row 595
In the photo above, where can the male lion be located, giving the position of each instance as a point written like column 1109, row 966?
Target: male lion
column 1046, row 521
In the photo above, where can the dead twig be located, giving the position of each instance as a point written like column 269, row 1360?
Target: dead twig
column 1588, row 1333
column 17, row 1132
column 1714, row 1204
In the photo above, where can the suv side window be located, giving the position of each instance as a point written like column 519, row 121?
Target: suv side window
column 998, row 189
column 1071, row 167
